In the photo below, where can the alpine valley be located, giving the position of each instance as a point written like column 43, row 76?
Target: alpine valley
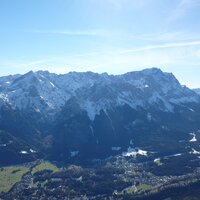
column 130, row 136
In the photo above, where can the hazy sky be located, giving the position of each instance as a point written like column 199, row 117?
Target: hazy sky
column 115, row 36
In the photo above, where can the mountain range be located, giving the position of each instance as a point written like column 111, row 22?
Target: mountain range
column 82, row 116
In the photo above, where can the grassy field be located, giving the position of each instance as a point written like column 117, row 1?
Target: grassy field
column 144, row 187
column 133, row 189
column 45, row 165
column 129, row 190
column 11, row 175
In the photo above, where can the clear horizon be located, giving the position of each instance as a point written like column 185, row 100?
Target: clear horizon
column 113, row 36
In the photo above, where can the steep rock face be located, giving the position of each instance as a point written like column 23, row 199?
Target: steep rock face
column 87, row 115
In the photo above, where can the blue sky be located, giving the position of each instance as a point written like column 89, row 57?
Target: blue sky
column 113, row 36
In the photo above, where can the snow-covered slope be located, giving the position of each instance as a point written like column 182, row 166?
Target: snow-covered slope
column 46, row 92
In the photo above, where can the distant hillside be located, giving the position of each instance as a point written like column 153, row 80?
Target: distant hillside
column 197, row 90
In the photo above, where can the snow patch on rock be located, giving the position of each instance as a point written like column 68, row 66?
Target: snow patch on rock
column 133, row 152
column 194, row 139
column 23, row 152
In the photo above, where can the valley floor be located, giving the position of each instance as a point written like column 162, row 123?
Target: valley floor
column 114, row 178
